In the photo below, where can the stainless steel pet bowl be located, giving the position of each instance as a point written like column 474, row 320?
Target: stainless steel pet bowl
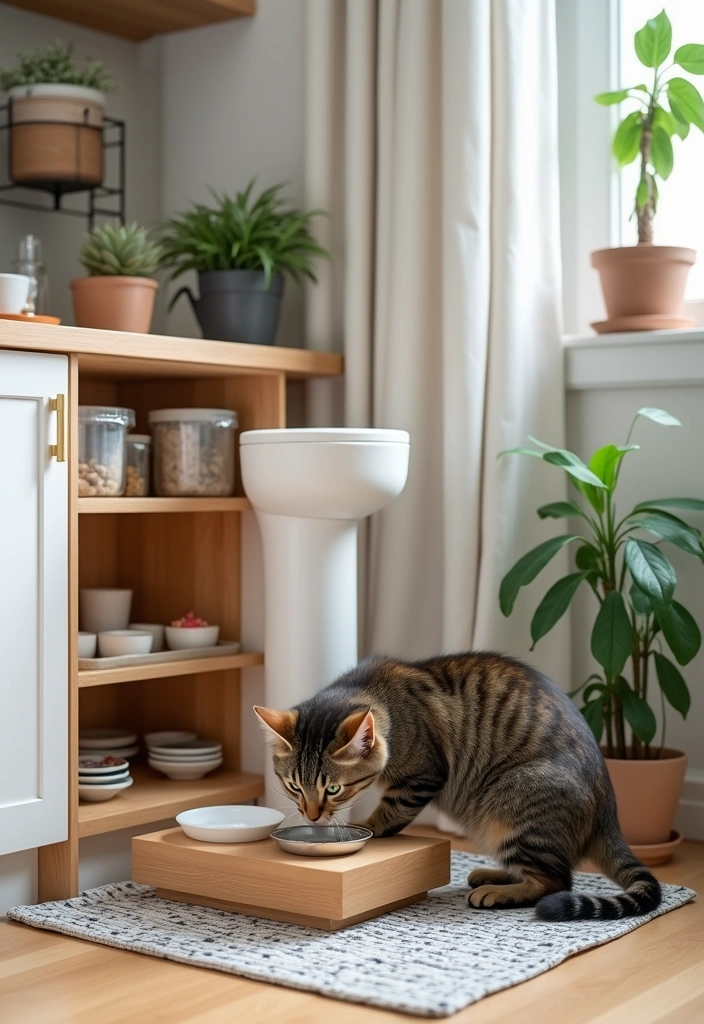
column 322, row 840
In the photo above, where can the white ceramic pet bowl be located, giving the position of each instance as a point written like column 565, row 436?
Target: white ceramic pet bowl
column 104, row 739
column 156, row 630
column 116, row 642
column 87, row 643
column 183, row 638
column 229, row 823
column 200, row 750
column 98, row 793
column 185, row 772
column 167, row 737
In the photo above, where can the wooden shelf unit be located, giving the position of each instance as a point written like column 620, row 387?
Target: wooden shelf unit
column 168, row 670
column 153, row 797
column 174, row 553
column 137, row 20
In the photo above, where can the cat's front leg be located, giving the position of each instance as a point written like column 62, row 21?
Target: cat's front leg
column 399, row 806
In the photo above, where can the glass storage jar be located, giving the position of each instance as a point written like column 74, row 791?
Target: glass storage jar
column 101, row 450
column 194, row 452
column 139, row 451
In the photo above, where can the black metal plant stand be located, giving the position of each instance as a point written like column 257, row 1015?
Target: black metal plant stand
column 113, row 138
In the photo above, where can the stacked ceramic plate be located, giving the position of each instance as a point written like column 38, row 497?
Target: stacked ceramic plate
column 186, row 759
column 101, row 778
column 107, row 743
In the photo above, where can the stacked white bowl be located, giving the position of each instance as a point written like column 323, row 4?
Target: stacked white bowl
column 107, row 743
column 101, row 778
column 182, row 755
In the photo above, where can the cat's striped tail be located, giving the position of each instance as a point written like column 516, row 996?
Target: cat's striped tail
column 641, row 896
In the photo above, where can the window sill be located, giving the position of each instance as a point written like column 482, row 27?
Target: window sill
column 635, row 359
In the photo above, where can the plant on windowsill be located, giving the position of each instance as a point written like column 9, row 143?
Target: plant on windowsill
column 56, row 117
column 242, row 249
column 644, row 285
column 637, row 619
column 119, row 292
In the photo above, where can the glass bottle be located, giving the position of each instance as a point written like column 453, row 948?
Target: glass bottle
column 29, row 261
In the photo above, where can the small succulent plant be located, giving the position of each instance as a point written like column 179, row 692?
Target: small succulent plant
column 54, row 65
column 120, row 249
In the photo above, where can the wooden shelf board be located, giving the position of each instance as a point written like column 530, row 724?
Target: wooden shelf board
column 110, row 506
column 121, row 355
column 153, row 797
column 133, row 19
column 166, row 669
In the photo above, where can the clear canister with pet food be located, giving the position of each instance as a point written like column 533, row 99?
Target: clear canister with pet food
column 194, row 452
column 139, row 453
column 102, row 431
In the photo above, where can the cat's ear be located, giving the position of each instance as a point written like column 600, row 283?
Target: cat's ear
column 278, row 727
column 356, row 735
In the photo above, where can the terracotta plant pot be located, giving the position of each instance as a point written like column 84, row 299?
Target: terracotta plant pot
column 114, row 303
column 56, row 135
column 643, row 280
column 647, row 794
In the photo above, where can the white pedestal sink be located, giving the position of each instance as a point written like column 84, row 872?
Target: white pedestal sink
column 309, row 489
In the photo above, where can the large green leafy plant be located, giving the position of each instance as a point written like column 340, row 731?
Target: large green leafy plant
column 647, row 132
column 633, row 581
column 54, row 65
column 243, row 233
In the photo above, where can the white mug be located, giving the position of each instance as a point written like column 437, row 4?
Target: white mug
column 14, row 289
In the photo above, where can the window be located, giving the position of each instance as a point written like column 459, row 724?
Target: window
column 680, row 216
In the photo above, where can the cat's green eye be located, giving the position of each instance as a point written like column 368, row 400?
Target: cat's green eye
column 332, row 790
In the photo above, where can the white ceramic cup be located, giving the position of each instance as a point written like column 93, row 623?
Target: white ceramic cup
column 87, row 643
column 156, row 631
column 103, row 609
column 14, row 289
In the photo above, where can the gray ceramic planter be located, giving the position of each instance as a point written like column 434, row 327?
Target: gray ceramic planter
column 235, row 305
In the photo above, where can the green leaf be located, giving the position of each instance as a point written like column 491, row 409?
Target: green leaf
column 667, row 120
column 605, row 461
column 606, row 99
column 587, row 558
column 612, row 635
column 653, row 41
column 639, row 602
column 651, row 571
column 560, row 510
column 527, row 568
column 684, row 504
column 626, row 144
column 554, row 605
column 573, row 693
column 520, row 451
column 642, row 195
column 662, row 156
column 681, row 632
column 671, row 683
column 594, row 715
column 672, row 529
column 593, row 688
column 637, row 711
column 659, row 416
column 574, row 466
column 688, row 104
column 690, row 57
column 654, row 190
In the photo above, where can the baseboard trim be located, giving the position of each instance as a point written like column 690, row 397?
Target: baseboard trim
column 690, row 815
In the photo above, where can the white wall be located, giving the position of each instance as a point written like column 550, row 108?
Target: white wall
column 608, row 381
column 137, row 67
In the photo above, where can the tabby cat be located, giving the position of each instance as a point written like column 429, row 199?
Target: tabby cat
column 496, row 746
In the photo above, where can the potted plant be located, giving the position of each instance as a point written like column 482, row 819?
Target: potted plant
column 56, row 118
column 644, row 285
column 637, row 619
column 119, row 293
column 242, row 249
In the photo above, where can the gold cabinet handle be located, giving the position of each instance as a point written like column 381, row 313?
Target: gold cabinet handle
column 58, row 405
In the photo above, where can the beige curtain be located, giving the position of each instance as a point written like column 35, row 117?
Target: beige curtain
column 431, row 139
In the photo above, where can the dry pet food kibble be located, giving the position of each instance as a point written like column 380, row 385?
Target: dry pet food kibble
column 96, row 480
column 194, row 452
column 135, row 483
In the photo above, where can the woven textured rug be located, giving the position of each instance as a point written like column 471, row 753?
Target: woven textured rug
column 430, row 959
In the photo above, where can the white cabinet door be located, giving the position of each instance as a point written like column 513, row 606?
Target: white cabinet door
column 33, row 604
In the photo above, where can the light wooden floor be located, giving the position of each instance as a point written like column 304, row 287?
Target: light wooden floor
column 655, row 975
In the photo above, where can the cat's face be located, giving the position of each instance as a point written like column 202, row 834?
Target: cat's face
column 323, row 776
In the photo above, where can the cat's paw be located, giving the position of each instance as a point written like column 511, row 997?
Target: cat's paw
column 486, row 876
column 484, row 897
